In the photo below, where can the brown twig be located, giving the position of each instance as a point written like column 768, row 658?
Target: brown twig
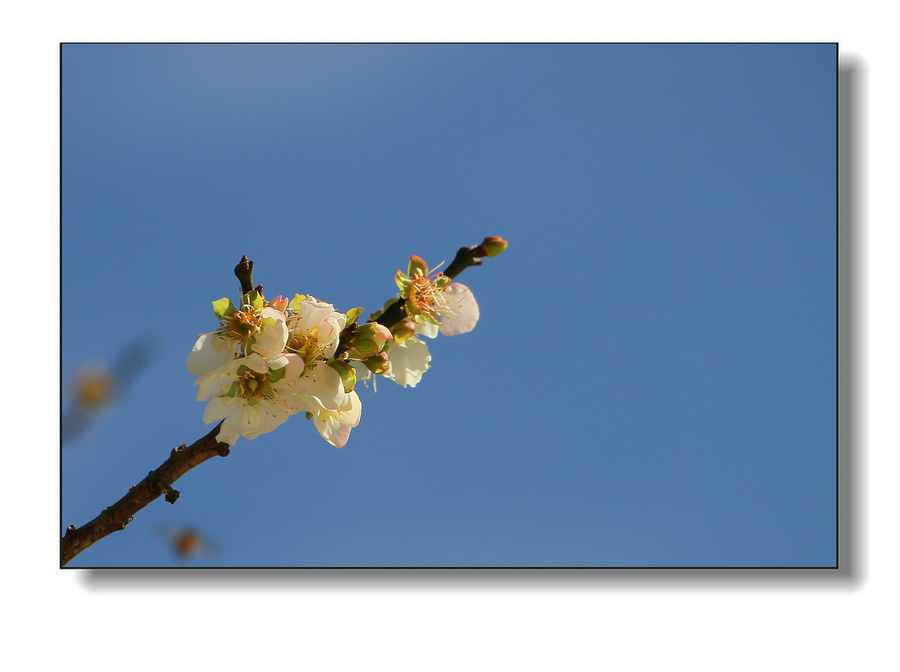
column 159, row 481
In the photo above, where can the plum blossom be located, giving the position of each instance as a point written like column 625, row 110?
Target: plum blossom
column 255, row 327
column 250, row 394
column 434, row 305
column 435, row 302
column 335, row 424
column 314, row 331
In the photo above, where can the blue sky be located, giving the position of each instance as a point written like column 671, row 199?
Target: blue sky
column 651, row 383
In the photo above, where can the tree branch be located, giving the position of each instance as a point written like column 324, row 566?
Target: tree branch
column 184, row 458
column 159, row 481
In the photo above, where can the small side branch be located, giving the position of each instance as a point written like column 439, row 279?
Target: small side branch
column 159, row 481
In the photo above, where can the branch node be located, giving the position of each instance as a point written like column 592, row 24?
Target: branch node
column 163, row 485
column 180, row 448
column 223, row 449
column 71, row 529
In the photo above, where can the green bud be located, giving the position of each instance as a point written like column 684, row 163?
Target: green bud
column 493, row 245
column 403, row 330
column 369, row 340
column 346, row 372
column 378, row 363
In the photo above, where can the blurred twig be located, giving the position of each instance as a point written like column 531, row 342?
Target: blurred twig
column 96, row 388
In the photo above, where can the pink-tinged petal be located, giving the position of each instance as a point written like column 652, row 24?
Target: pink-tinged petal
column 336, row 433
column 463, row 310
column 279, row 303
column 294, row 367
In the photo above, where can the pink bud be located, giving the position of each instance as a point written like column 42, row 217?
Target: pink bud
column 279, row 303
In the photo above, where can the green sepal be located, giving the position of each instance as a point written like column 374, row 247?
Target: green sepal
column 417, row 266
column 223, row 308
column 232, row 391
column 277, row 374
column 402, row 281
column 254, row 299
column 296, row 301
column 353, row 315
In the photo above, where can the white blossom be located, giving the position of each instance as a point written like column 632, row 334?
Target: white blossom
column 250, row 394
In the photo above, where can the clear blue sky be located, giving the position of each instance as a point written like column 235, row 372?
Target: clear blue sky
column 651, row 383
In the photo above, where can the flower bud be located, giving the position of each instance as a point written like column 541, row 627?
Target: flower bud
column 403, row 330
column 347, row 374
column 279, row 303
column 493, row 245
column 369, row 340
column 378, row 363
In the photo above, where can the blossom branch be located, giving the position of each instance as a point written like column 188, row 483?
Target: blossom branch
column 269, row 360
column 116, row 517
column 466, row 257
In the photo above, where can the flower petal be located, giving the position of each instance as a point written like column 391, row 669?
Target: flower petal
column 409, row 361
column 426, row 329
column 463, row 310
column 270, row 341
column 210, row 352
column 323, row 383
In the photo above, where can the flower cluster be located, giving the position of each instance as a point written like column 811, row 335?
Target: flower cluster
column 269, row 360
